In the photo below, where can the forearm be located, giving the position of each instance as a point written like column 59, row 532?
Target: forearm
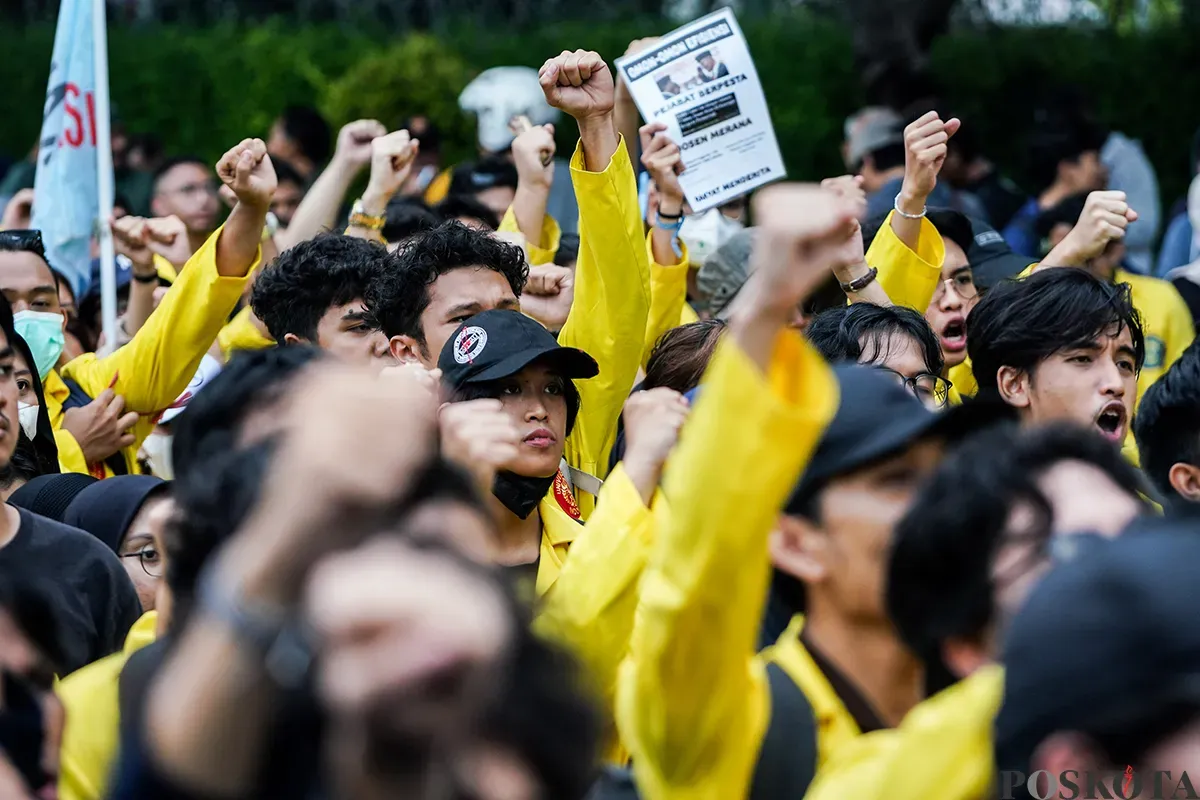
column 662, row 246
column 237, row 249
column 625, row 113
column 871, row 293
column 318, row 210
column 907, row 229
column 529, row 208
column 598, row 137
column 141, row 305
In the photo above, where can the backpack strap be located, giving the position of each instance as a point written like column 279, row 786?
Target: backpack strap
column 787, row 761
column 78, row 398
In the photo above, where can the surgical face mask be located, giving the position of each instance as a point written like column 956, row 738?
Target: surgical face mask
column 157, row 450
column 28, row 415
column 43, row 332
column 704, row 233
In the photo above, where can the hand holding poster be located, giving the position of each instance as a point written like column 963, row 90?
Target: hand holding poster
column 700, row 81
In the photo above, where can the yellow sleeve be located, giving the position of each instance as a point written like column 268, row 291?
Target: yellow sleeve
column 688, row 315
column 590, row 608
column 909, row 278
column 70, row 454
column 165, row 269
column 692, row 702
column 551, row 236
column 158, row 363
column 439, row 187
column 612, row 301
column 89, row 740
column 241, row 334
column 668, row 296
column 1180, row 329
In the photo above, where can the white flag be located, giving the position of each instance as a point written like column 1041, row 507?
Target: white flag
column 66, row 200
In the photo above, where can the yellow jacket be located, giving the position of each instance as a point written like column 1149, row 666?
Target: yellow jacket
column 608, row 315
column 943, row 750
column 909, row 278
column 154, row 368
column 668, row 297
column 1167, row 322
column 692, row 697
column 241, row 334
column 92, row 729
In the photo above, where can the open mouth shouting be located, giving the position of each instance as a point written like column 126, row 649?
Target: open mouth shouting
column 954, row 334
column 1112, row 421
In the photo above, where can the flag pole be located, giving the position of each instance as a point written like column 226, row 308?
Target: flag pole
column 104, row 174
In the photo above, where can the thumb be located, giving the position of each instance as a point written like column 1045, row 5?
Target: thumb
column 952, row 125
column 549, row 75
column 244, row 166
column 1131, row 215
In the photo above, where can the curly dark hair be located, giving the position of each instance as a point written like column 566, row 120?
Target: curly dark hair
column 401, row 294
column 304, row 282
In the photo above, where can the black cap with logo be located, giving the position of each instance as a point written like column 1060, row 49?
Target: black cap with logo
column 991, row 259
column 878, row 417
column 500, row 343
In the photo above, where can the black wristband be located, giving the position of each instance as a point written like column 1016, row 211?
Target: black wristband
column 151, row 278
column 670, row 217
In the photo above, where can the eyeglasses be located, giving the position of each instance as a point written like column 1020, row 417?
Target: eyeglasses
column 932, row 390
column 150, row 559
column 23, row 242
column 963, row 285
column 193, row 189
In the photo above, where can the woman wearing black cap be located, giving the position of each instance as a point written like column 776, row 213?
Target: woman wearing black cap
column 512, row 358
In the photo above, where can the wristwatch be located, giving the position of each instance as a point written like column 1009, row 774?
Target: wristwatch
column 861, row 282
column 359, row 217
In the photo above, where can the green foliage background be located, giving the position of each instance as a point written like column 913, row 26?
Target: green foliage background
column 202, row 89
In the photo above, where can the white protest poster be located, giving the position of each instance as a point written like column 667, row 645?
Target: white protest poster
column 701, row 82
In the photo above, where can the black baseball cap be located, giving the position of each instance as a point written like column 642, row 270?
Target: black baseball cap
column 499, row 343
column 480, row 175
column 991, row 259
column 1108, row 645
column 877, row 417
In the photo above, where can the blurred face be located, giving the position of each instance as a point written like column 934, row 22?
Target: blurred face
column 905, row 358
column 280, row 145
column 285, row 202
column 952, row 302
column 465, row 528
column 845, row 553
column 1092, row 384
column 708, row 63
column 9, row 422
column 28, row 283
column 141, row 550
column 453, row 298
column 345, row 332
column 535, row 399
column 1085, row 174
column 497, row 198
column 1083, row 499
column 189, row 191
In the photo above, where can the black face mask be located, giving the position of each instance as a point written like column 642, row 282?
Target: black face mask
column 521, row 495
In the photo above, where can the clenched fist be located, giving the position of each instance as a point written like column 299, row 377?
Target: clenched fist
column 662, row 159
column 479, row 437
column 391, row 160
column 247, row 170
column 653, row 419
column 354, row 143
column 533, row 155
column 925, row 147
column 1105, row 218
column 578, row 83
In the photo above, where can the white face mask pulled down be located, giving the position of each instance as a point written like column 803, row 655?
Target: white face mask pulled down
column 157, row 452
column 28, row 415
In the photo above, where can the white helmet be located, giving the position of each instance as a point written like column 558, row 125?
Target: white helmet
column 498, row 95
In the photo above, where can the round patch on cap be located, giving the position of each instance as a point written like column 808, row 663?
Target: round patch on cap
column 469, row 344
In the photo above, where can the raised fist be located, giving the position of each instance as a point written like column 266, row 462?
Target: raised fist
column 247, row 170
column 578, row 83
column 354, row 142
column 924, row 153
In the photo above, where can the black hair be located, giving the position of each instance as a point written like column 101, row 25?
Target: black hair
column 950, row 224
column 681, row 355
column 424, row 129
column 176, row 161
column 1021, row 323
column 310, row 131
column 211, row 503
column 1059, row 137
column 939, row 574
column 38, row 456
column 487, row 173
column 457, row 206
column 407, row 217
column 486, row 389
column 295, row 291
column 864, row 332
column 568, row 250
column 1167, row 424
column 887, row 157
column 1066, row 212
column 401, row 294
column 212, row 421
column 286, row 173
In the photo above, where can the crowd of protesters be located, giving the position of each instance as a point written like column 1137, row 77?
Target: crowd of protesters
column 517, row 479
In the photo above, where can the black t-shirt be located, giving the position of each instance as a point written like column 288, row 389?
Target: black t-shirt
column 92, row 600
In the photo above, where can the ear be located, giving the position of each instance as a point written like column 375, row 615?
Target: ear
column 405, row 349
column 964, row 656
column 1185, row 480
column 291, row 338
column 1066, row 751
column 800, row 548
column 1013, row 384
